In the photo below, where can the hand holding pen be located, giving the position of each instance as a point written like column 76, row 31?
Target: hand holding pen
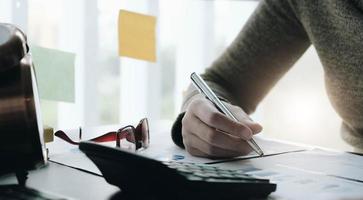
column 208, row 132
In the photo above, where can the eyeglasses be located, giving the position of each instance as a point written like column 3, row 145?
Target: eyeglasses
column 136, row 137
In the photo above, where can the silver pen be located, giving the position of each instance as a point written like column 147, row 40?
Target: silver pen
column 204, row 89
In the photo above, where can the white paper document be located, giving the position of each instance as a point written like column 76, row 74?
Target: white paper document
column 314, row 174
column 330, row 163
column 296, row 184
column 164, row 149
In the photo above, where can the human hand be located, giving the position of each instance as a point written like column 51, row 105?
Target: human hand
column 209, row 133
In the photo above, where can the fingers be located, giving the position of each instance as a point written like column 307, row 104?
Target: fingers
column 195, row 152
column 209, row 133
column 255, row 127
column 198, row 147
column 202, row 140
column 216, row 138
column 243, row 118
column 208, row 113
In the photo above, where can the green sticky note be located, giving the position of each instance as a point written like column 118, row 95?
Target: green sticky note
column 55, row 73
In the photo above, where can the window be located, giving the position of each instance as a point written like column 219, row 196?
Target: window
column 191, row 34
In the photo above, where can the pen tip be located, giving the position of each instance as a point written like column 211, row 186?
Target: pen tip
column 260, row 153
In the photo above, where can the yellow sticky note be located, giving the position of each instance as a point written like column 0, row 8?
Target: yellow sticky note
column 137, row 35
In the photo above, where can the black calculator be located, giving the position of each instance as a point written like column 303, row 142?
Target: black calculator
column 141, row 177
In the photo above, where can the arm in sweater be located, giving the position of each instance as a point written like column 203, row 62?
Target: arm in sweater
column 268, row 45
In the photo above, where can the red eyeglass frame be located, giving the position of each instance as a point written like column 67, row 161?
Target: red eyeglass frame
column 138, row 135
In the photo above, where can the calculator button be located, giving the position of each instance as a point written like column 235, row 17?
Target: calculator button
column 212, row 175
column 207, row 167
column 173, row 166
column 209, row 171
column 243, row 176
column 222, row 180
column 184, row 170
column 226, row 176
column 194, row 178
column 203, row 175
column 194, row 167
column 201, row 172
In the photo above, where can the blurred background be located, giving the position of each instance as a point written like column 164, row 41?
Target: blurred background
column 190, row 34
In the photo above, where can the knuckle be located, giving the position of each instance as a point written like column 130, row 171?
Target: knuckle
column 195, row 106
column 185, row 133
column 213, row 118
column 242, row 131
column 185, row 120
column 211, row 151
column 190, row 150
column 245, row 150
column 187, row 147
column 236, row 129
column 187, row 143
column 239, row 128
column 196, row 103
column 211, row 135
column 190, row 107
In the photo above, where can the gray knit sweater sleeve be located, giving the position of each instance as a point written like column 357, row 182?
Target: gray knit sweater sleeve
column 274, row 38
column 268, row 45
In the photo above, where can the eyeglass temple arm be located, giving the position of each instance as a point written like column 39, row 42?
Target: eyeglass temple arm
column 110, row 136
column 122, row 133
column 64, row 137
